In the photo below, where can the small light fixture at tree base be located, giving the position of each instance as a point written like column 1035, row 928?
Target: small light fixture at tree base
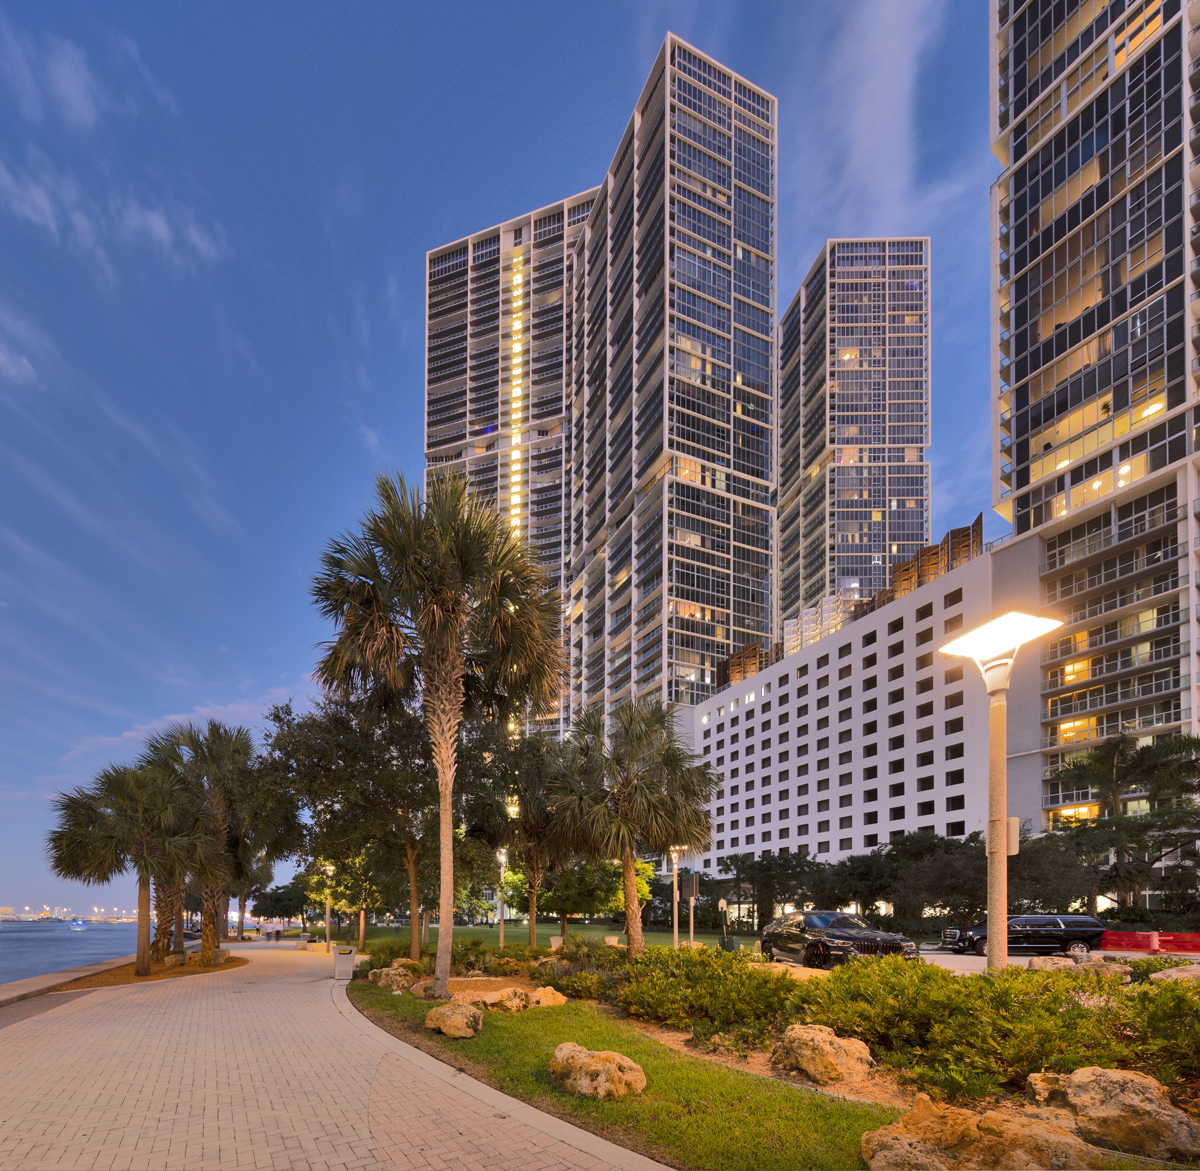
column 513, row 807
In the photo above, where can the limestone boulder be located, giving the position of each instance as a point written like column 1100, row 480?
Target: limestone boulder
column 455, row 1019
column 596, row 1073
column 374, row 974
column 1116, row 1108
column 547, row 997
column 1049, row 963
column 395, row 979
column 1186, row 972
column 498, row 1000
column 822, row 1055
column 404, row 962
column 932, row 1137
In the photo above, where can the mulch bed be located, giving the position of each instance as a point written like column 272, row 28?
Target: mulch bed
column 158, row 971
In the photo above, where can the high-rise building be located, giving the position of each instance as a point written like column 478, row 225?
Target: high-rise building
column 1095, row 371
column 854, row 421
column 497, row 322
column 671, row 388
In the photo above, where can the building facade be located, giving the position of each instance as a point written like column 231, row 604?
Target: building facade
column 497, row 322
column 854, row 395
column 1093, row 120
column 859, row 738
column 671, row 392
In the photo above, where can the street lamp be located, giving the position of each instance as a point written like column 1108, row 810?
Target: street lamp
column 675, row 852
column 502, row 857
column 328, row 902
column 994, row 646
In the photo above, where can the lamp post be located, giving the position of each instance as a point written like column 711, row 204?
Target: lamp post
column 675, row 897
column 328, row 902
column 502, row 855
column 993, row 647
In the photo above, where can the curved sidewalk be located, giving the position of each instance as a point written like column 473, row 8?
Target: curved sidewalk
column 263, row 1067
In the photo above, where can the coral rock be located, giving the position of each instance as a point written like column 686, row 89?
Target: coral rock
column 821, row 1054
column 547, row 997
column 596, row 1074
column 374, row 974
column 395, row 979
column 1117, row 1108
column 933, row 1137
column 456, row 1019
column 1187, row 972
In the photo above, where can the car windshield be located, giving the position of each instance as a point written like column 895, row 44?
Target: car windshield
column 834, row 919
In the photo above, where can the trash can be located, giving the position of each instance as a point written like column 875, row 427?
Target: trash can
column 343, row 962
column 303, row 944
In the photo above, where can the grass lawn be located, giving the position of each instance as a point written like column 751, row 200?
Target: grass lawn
column 519, row 933
column 693, row 1113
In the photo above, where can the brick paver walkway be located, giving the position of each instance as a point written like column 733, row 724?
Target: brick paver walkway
column 265, row 1067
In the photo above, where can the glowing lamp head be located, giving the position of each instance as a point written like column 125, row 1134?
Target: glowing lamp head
column 1000, row 638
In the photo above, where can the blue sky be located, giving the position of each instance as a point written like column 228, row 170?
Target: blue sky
column 213, row 222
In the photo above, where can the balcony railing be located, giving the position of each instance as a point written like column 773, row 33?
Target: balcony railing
column 1142, row 593
column 1086, row 546
column 1091, row 703
column 1129, row 663
column 1113, row 573
column 1077, row 797
column 1157, row 720
column 1107, row 638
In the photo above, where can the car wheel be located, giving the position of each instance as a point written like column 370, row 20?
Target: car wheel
column 814, row 956
column 1078, row 947
column 768, row 955
column 981, row 947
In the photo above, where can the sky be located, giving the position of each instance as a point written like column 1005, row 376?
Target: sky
column 213, row 225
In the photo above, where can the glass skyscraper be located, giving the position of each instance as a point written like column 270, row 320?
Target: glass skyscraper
column 497, row 321
column 1094, row 120
column 671, row 388
column 854, row 397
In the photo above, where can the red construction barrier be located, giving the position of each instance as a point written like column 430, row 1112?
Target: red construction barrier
column 1151, row 941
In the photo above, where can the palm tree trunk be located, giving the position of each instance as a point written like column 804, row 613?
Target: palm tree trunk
column 443, row 714
column 241, row 916
column 362, row 928
column 178, row 948
column 633, row 912
column 533, row 894
column 164, row 921
column 142, row 965
column 212, row 899
column 225, row 918
column 414, row 905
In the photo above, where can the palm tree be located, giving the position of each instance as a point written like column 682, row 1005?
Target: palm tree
column 635, row 789
column 533, row 768
column 442, row 596
column 214, row 763
column 1164, row 769
column 129, row 819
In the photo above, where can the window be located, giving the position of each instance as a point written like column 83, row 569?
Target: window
column 924, row 662
column 895, row 766
column 823, row 661
column 953, row 675
column 895, row 673
column 895, row 626
column 952, row 598
column 955, row 776
column 871, row 840
column 924, row 685
column 869, row 638
column 924, row 636
column 896, row 835
column 896, row 648
column 952, row 623
column 956, row 829
column 869, row 662
column 953, row 726
column 958, row 801
column 843, row 651
column 925, row 611
column 924, row 711
column 954, row 699
column 954, row 751
column 925, row 809
column 845, row 843
column 871, row 817
column 896, row 813
column 895, row 743
column 924, row 759
column 924, row 783
column 896, row 790
column 845, row 822
column 896, row 696
column 895, row 719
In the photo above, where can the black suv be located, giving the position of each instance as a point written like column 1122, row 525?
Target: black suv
column 1073, row 934
column 820, row 938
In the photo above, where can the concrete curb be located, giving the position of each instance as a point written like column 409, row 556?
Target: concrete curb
column 547, row 1124
column 16, row 990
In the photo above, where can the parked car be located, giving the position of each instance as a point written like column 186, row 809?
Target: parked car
column 819, row 938
column 1073, row 934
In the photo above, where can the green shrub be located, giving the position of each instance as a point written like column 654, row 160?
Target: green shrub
column 708, row 991
column 596, row 953
column 468, row 954
column 384, row 951
column 974, row 1035
column 1144, row 969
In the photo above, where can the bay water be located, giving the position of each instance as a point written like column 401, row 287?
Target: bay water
column 35, row 948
